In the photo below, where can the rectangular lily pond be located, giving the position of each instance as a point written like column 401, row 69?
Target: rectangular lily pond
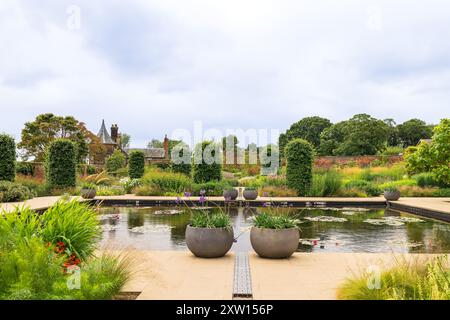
column 322, row 230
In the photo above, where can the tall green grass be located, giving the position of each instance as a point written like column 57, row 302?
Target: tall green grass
column 325, row 185
column 407, row 280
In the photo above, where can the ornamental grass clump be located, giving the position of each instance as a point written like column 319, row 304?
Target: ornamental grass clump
column 210, row 220
column 272, row 221
column 413, row 279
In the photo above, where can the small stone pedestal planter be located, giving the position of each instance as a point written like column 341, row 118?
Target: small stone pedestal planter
column 88, row 193
column 209, row 242
column 250, row 194
column 231, row 194
column 274, row 243
column 391, row 195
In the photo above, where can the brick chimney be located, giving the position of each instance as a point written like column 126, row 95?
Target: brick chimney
column 115, row 133
column 166, row 147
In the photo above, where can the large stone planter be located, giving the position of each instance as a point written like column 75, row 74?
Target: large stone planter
column 274, row 243
column 209, row 242
column 232, row 194
column 88, row 193
column 250, row 194
column 392, row 195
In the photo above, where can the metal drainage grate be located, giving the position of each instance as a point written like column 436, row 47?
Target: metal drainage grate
column 242, row 285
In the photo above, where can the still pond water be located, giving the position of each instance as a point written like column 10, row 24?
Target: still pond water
column 322, row 230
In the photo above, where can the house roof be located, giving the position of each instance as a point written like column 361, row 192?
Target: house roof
column 425, row 141
column 104, row 136
column 152, row 153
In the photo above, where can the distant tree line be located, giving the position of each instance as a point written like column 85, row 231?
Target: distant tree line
column 360, row 135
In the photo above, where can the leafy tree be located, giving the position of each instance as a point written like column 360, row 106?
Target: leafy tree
column 411, row 131
column 125, row 140
column 60, row 163
column 299, row 159
column 136, row 164
column 331, row 138
column 155, row 143
column 432, row 157
column 309, row 129
column 207, row 162
column 393, row 139
column 38, row 134
column 7, row 158
column 115, row 161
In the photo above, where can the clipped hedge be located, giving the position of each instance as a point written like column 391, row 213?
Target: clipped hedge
column 206, row 170
column 7, row 158
column 181, row 160
column 115, row 162
column 136, row 164
column 299, row 156
column 61, row 164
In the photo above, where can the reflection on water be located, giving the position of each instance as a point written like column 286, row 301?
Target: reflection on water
column 322, row 230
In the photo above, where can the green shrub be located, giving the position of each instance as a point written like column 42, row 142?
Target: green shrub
column 149, row 190
column 425, row 179
column 207, row 169
column 130, row 184
column 14, row 192
column 366, row 187
column 442, row 193
column 61, row 161
column 166, row 181
column 7, row 158
column 299, row 157
column 115, row 161
column 110, row 191
column 213, row 188
column 136, row 164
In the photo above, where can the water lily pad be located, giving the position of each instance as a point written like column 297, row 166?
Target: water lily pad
column 392, row 221
column 151, row 229
column 326, row 219
column 168, row 212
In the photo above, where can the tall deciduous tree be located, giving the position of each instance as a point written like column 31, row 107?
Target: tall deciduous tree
column 38, row 134
column 410, row 132
column 308, row 128
column 361, row 135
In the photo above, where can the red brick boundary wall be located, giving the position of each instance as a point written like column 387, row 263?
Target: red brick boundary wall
column 357, row 161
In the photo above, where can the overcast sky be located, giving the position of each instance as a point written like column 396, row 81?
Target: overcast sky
column 156, row 66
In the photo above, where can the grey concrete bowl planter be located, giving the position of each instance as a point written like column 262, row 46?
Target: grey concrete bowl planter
column 250, row 194
column 232, row 194
column 274, row 243
column 88, row 193
column 209, row 242
column 392, row 195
